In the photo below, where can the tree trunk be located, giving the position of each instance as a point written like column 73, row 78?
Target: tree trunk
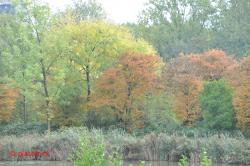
column 87, row 72
column 24, row 110
column 44, row 81
column 24, row 103
column 45, row 86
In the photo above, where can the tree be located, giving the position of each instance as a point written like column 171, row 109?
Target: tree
column 76, row 54
column 87, row 9
column 157, row 114
column 177, row 26
column 217, row 105
column 183, row 85
column 34, row 20
column 232, row 28
column 184, row 76
column 17, row 57
column 124, row 87
column 192, row 26
column 7, row 102
column 241, row 84
column 210, row 65
column 93, row 46
column 185, row 101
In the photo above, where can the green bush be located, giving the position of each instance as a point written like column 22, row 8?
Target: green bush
column 91, row 151
column 204, row 161
column 217, row 106
column 183, row 161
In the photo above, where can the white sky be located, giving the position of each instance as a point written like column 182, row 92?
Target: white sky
column 119, row 11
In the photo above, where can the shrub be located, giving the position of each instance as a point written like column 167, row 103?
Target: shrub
column 91, row 151
column 183, row 161
column 204, row 161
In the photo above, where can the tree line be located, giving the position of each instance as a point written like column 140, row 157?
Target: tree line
column 73, row 67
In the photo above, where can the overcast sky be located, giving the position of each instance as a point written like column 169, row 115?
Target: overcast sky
column 119, row 11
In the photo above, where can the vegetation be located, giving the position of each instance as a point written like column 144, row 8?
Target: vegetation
column 204, row 161
column 114, row 145
column 183, row 161
column 217, row 105
column 167, row 84
column 180, row 26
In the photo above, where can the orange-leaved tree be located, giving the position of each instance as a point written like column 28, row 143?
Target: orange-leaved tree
column 124, row 86
column 184, row 78
column 214, row 64
column 241, row 84
column 7, row 102
column 183, row 85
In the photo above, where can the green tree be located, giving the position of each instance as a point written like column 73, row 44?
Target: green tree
column 158, row 116
column 177, row 26
column 232, row 27
column 17, row 57
column 87, row 10
column 216, row 104
column 29, row 53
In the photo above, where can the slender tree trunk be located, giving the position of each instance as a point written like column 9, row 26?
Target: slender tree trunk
column 45, row 87
column 127, row 106
column 24, row 110
column 24, row 102
column 44, row 73
column 87, row 72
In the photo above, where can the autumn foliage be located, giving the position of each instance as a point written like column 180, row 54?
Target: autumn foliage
column 241, row 83
column 184, row 77
column 184, row 87
column 124, row 86
column 7, row 102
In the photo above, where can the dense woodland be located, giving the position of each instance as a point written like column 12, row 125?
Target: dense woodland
column 184, row 64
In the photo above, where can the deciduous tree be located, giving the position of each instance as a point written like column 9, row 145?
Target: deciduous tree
column 175, row 26
column 217, row 105
column 8, row 98
column 241, row 84
column 124, row 86
column 184, row 77
column 93, row 46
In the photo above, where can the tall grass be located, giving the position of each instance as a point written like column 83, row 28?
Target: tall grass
column 117, row 144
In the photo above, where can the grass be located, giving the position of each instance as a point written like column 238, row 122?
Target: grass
column 116, row 145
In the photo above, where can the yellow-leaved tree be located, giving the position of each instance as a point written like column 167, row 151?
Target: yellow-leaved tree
column 241, row 84
column 7, row 102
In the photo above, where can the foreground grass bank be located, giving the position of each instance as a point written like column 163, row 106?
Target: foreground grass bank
column 78, row 144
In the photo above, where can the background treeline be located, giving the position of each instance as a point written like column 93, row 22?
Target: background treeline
column 75, row 68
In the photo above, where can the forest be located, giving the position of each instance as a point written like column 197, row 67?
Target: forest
column 183, row 70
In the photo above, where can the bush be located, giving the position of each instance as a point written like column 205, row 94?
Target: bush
column 204, row 161
column 91, row 151
column 183, row 161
